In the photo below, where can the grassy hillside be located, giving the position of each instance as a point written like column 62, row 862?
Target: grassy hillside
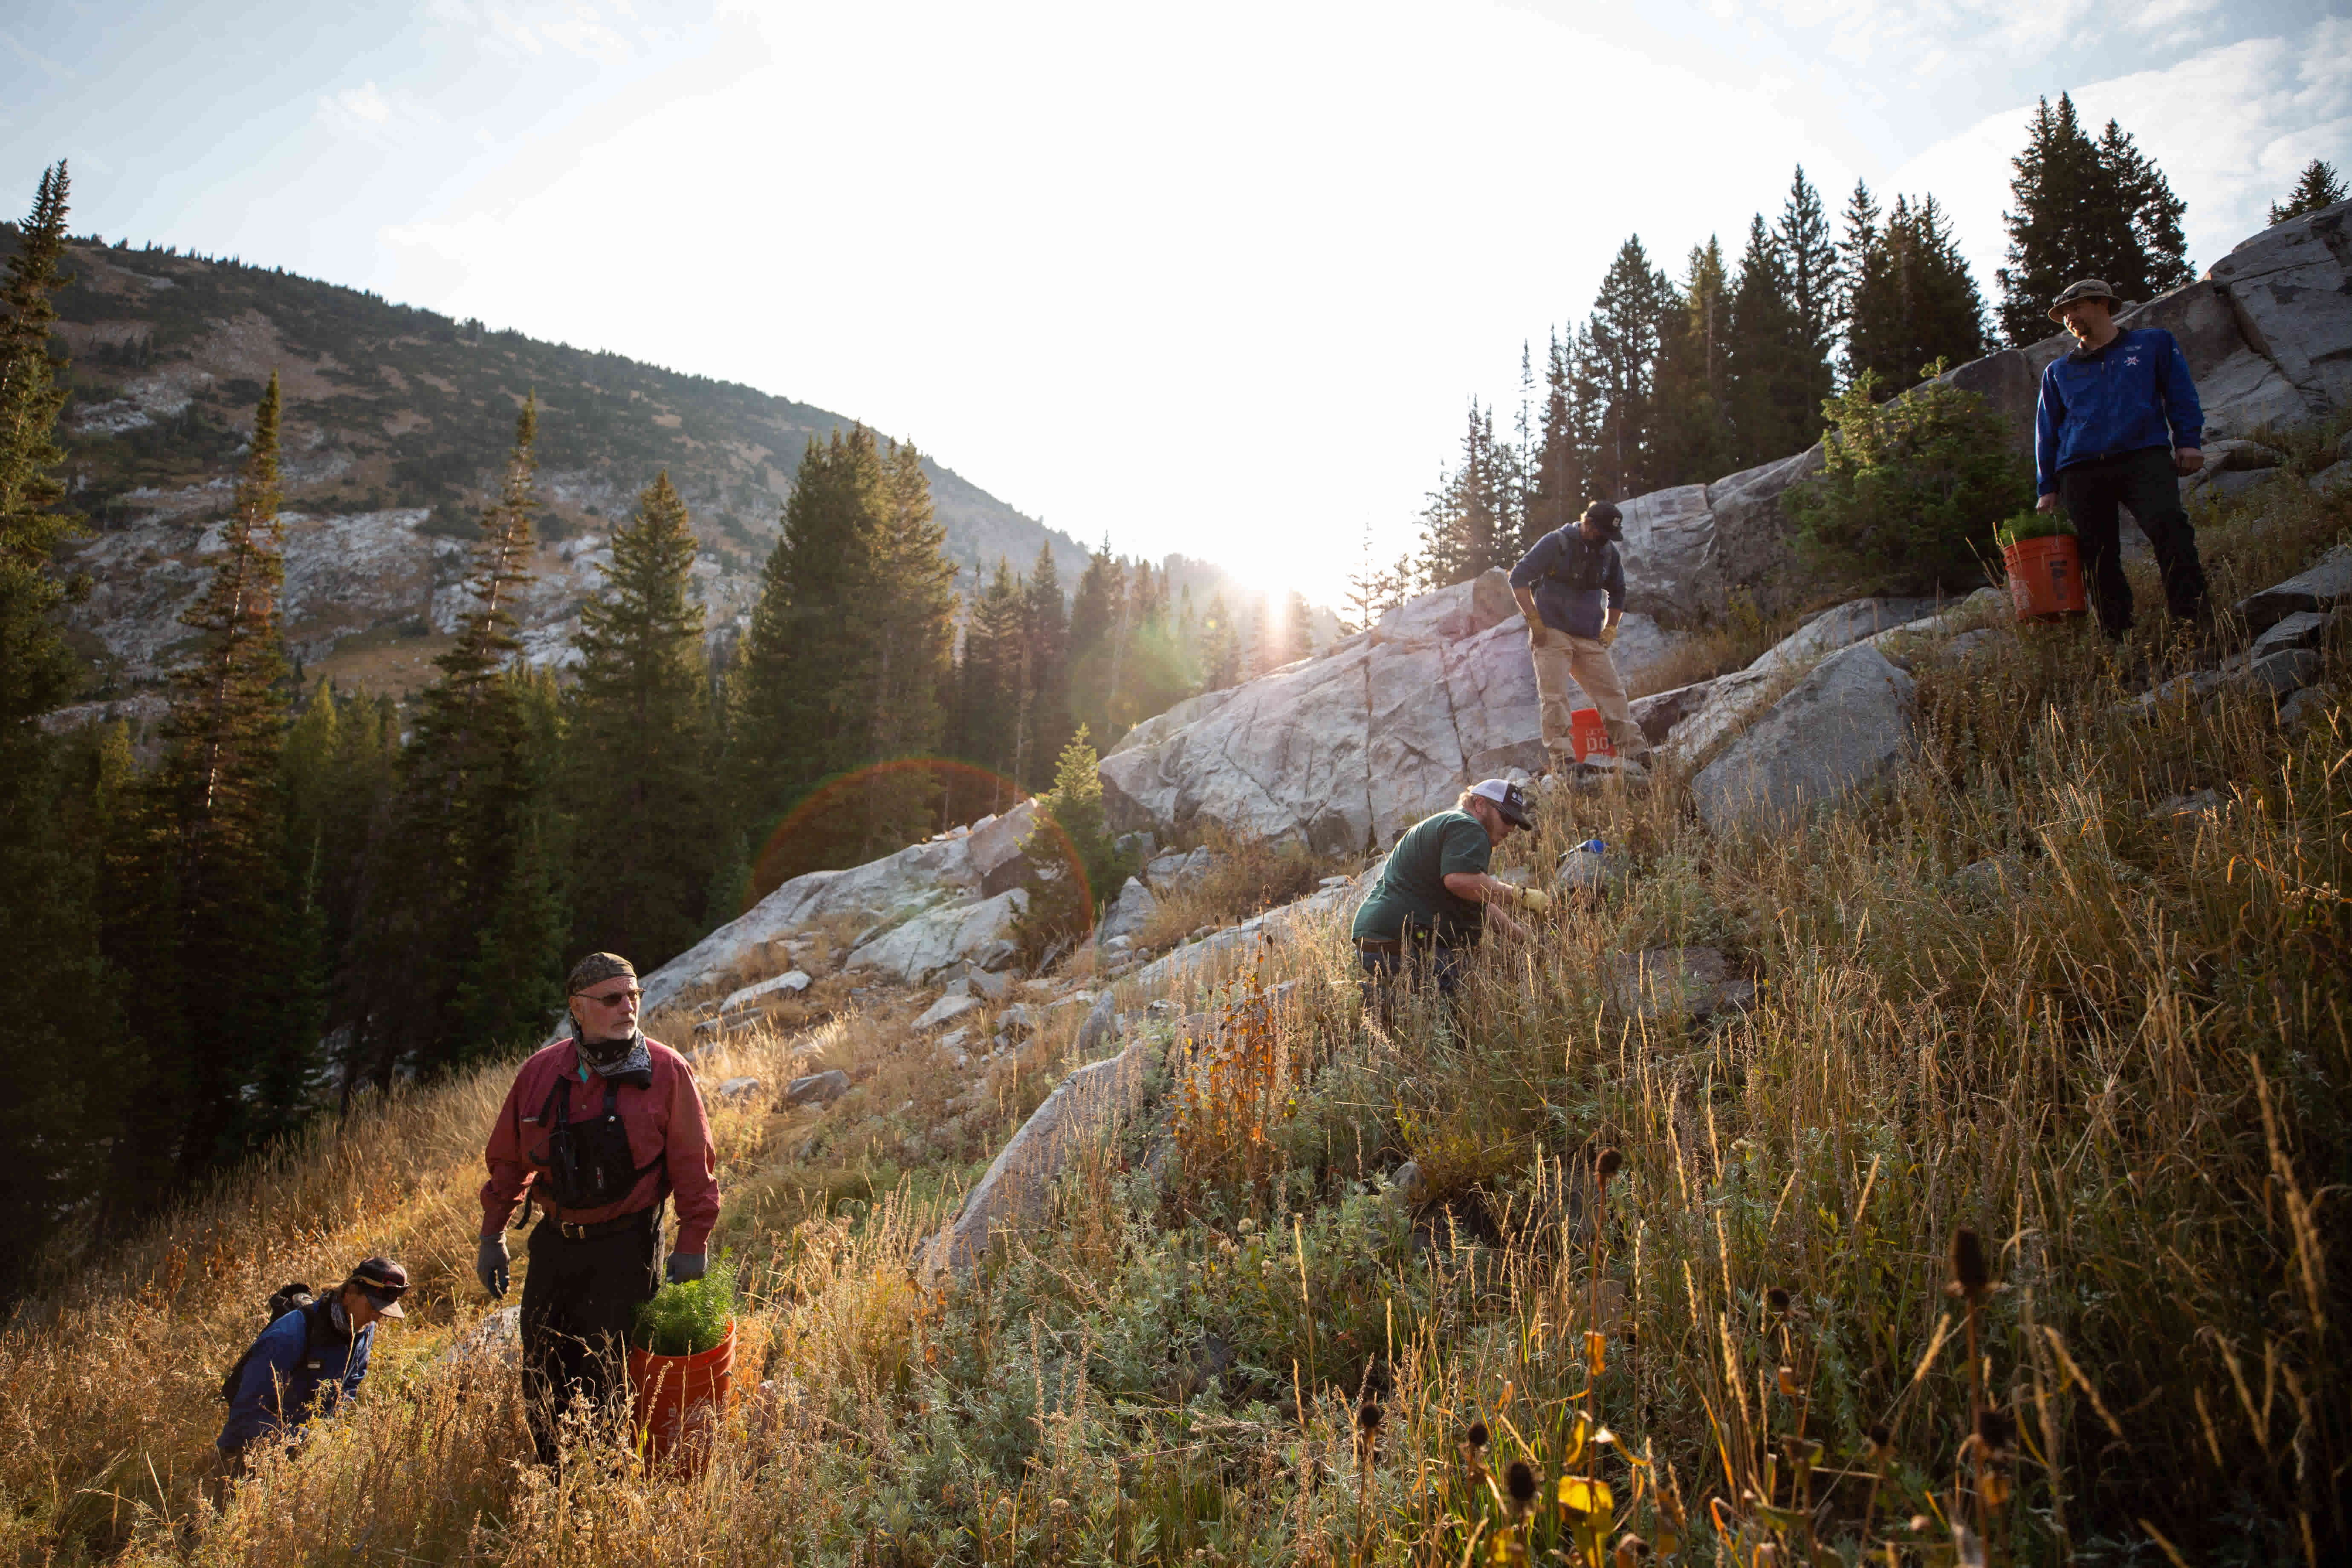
column 2043, row 984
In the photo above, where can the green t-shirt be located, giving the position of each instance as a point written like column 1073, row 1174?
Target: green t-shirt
column 1412, row 884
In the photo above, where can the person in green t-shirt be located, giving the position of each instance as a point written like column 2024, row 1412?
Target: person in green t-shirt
column 1434, row 899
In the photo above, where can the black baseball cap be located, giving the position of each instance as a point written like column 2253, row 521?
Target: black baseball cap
column 1605, row 516
column 383, row 1282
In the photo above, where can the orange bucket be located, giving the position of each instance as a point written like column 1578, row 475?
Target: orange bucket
column 1587, row 735
column 2046, row 577
column 679, row 1400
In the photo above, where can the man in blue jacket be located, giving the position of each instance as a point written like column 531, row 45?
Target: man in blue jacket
column 2118, row 424
column 311, row 1359
column 1571, row 588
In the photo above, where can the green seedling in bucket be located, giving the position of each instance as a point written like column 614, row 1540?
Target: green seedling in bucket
column 2027, row 525
column 687, row 1318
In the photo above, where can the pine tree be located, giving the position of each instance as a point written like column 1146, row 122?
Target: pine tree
column 1620, row 350
column 232, row 1065
column 1463, row 524
column 1221, row 655
column 1045, row 632
column 1694, row 438
column 1094, row 611
column 1768, row 382
column 1912, row 300
column 2319, row 188
column 66, row 1088
column 638, row 744
column 457, row 950
column 2086, row 209
column 848, row 651
column 1809, row 260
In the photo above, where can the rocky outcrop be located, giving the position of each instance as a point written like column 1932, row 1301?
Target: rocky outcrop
column 1349, row 748
column 1838, row 728
column 928, row 907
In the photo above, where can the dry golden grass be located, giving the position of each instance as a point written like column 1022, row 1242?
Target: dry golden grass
column 1248, row 874
column 2116, row 1048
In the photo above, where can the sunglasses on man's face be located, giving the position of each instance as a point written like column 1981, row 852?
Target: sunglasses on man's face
column 382, row 1296
column 612, row 998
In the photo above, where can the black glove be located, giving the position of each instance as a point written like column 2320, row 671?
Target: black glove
column 490, row 1265
column 683, row 1267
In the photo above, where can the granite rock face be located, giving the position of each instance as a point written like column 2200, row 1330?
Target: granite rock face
column 1837, row 729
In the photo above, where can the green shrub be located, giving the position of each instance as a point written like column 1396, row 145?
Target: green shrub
column 2025, row 525
column 1078, row 864
column 686, row 1318
column 1911, row 489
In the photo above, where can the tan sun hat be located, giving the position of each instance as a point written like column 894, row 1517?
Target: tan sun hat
column 2088, row 288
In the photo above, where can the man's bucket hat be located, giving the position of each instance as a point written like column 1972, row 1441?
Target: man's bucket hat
column 2088, row 288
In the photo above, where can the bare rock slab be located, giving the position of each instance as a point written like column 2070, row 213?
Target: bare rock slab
column 1836, row 729
column 1092, row 1103
column 2326, row 583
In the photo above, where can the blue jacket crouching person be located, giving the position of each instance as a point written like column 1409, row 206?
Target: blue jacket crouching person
column 311, row 1360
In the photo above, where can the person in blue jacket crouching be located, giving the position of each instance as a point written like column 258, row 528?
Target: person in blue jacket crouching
column 309, row 1361
column 2118, row 425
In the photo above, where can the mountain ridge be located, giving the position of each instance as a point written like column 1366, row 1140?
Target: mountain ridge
column 397, row 418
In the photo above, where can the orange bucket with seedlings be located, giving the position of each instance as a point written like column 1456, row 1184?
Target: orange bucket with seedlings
column 1588, row 736
column 2045, row 576
column 681, row 1400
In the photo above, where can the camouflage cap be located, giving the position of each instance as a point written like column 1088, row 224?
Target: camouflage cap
column 597, row 966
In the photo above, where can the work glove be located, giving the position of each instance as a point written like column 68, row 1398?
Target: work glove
column 1609, row 634
column 1534, row 900
column 683, row 1267
column 490, row 1265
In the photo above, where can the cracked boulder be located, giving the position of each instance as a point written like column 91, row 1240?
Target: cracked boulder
column 1836, row 730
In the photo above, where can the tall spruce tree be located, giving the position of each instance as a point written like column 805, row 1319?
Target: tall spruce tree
column 1768, row 380
column 1620, row 350
column 1912, row 300
column 2319, row 188
column 1094, row 611
column 2085, row 209
column 1694, row 438
column 208, row 889
column 456, row 954
column 1046, row 725
column 70, row 1069
column 1809, row 259
column 638, row 746
column 842, row 669
column 1557, row 483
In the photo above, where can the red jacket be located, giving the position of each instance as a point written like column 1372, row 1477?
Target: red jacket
column 666, row 1127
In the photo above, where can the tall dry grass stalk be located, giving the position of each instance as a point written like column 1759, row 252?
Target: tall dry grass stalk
column 2016, row 988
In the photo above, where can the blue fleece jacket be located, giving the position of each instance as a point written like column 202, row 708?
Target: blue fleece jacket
column 295, row 1371
column 2128, row 396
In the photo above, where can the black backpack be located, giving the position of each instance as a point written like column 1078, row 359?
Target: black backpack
column 287, row 1299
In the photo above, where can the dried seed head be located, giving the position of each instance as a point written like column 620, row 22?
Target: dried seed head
column 1996, row 1429
column 1476, row 1439
column 1777, row 1300
column 1786, row 1381
column 1970, row 1277
column 1520, row 1482
column 1367, row 1417
column 1881, row 1441
column 1631, row 1549
column 1605, row 1164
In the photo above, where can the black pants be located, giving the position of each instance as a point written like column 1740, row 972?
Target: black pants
column 579, row 1300
column 2145, row 482
column 1388, row 971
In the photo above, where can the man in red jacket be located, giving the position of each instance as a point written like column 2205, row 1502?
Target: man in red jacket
column 598, row 1130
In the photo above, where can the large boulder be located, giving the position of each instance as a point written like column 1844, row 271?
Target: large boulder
column 1352, row 747
column 1669, row 555
column 1128, row 912
column 2290, row 288
column 2325, row 584
column 1752, row 529
column 966, row 932
column 1839, row 627
column 1836, row 730
column 1088, row 1106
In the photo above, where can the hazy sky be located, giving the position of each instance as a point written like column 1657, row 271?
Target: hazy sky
column 1214, row 278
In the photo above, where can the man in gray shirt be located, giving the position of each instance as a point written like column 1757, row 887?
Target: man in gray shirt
column 1571, row 588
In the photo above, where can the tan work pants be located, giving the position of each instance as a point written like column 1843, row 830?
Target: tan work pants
column 1565, row 663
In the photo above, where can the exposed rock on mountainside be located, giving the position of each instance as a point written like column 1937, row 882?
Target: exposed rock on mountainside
column 395, row 421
